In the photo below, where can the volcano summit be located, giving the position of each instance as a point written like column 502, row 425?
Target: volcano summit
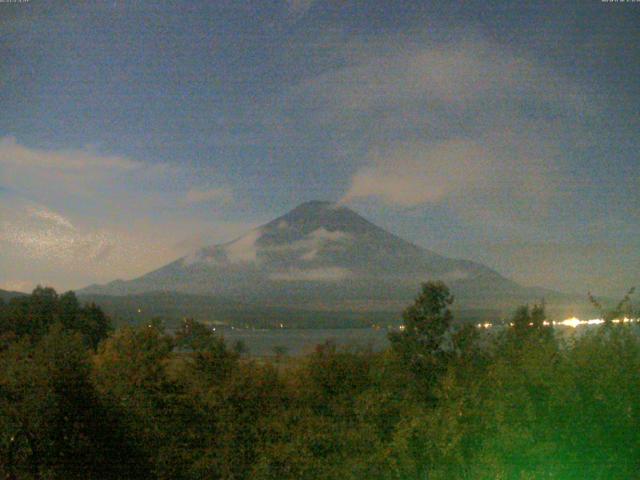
column 325, row 256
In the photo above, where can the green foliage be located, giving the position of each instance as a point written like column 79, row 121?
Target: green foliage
column 422, row 343
column 33, row 315
column 624, row 308
column 444, row 402
column 528, row 327
column 129, row 374
column 52, row 423
column 320, row 433
column 193, row 335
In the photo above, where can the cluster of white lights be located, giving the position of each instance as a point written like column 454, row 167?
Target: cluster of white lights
column 575, row 322
column 571, row 322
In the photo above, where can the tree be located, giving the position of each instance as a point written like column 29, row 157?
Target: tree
column 52, row 424
column 43, row 310
column 67, row 310
column 422, row 342
column 529, row 325
column 130, row 375
column 194, row 335
column 93, row 324
column 33, row 315
column 624, row 308
column 89, row 320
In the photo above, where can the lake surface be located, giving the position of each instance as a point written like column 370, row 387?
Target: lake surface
column 265, row 342
column 303, row 341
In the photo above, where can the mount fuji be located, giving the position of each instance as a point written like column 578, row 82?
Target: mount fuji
column 324, row 256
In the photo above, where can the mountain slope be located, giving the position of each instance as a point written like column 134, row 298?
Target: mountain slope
column 7, row 295
column 325, row 256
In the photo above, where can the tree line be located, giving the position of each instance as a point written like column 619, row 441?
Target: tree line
column 79, row 400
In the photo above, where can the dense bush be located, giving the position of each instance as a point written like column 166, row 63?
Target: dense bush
column 441, row 403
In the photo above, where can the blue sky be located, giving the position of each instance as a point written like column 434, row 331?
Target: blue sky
column 505, row 132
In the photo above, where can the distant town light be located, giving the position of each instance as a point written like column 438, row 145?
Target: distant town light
column 575, row 322
column 570, row 322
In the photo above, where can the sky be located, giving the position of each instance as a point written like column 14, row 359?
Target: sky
column 132, row 133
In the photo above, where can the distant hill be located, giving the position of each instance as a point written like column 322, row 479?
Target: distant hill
column 172, row 307
column 324, row 257
column 7, row 295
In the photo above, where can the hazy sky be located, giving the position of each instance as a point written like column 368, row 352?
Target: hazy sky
column 504, row 132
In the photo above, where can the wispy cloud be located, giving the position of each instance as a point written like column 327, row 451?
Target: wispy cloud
column 470, row 123
column 55, row 176
column 83, row 216
column 413, row 173
column 51, row 248
column 459, row 75
column 12, row 153
column 311, row 245
column 37, row 232
column 244, row 249
column 47, row 215
column 47, row 174
column 18, row 285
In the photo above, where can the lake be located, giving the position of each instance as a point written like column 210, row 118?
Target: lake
column 302, row 341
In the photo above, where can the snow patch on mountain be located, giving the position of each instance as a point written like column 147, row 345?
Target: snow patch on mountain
column 244, row 249
column 329, row 274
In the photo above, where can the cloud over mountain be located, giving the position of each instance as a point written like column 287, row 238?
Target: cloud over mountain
column 468, row 122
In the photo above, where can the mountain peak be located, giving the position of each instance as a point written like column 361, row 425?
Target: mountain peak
column 315, row 204
column 313, row 208
column 316, row 214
